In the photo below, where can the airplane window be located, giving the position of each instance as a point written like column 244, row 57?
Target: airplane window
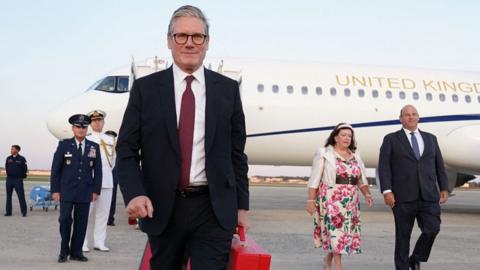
column 402, row 95
column 333, row 91
column 361, row 92
column 455, row 98
column 441, row 97
column 388, row 94
column 107, row 84
column 304, row 90
column 275, row 88
column 122, row 84
column 347, row 92
column 290, row 89
column 260, row 88
column 415, row 95
column 478, row 98
column 429, row 96
column 375, row 93
column 468, row 99
column 319, row 91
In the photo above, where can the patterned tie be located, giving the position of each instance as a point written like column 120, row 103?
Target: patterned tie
column 416, row 149
column 185, row 132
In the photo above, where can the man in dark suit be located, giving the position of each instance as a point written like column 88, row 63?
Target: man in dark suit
column 413, row 182
column 180, row 154
column 16, row 169
column 76, row 180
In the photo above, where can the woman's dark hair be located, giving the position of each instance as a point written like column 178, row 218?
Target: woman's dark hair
column 336, row 130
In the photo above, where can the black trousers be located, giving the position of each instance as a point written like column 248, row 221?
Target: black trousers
column 17, row 184
column 72, row 242
column 193, row 230
column 113, row 204
column 428, row 220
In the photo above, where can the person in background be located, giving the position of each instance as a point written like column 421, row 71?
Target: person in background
column 414, row 183
column 75, row 181
column 113, row 204
column 101, row 206
column 337, row 178
column 16, row 169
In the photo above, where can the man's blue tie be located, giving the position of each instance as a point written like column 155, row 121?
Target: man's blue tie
column 416, row 149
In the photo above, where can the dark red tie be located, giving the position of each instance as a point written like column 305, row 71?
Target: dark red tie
column 185, row 132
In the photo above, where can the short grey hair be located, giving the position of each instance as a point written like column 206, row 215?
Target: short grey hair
column 406, row 106
column 187, row 11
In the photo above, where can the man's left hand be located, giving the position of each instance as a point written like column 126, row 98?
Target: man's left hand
column 443, row 196
column 242, row 219
column 94, row 197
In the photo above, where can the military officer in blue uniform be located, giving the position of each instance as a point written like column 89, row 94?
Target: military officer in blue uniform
column 76, row 180
column 16, row 168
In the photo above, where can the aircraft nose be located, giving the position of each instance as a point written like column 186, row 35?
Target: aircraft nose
column 57, row 124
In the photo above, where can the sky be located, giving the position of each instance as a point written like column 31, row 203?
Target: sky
column 53, row 50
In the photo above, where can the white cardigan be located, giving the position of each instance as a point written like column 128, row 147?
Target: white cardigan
column 327, row 171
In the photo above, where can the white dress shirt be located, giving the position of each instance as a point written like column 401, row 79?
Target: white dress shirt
column 417, row 135
column 108, row 161
column 83, row 145
column 197, row 169
column 421, row 145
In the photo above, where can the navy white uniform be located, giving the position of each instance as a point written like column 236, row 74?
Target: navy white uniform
column 16, row 168
column 102, row 204
column 75, row 176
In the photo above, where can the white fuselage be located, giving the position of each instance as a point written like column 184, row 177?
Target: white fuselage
column 291, row 117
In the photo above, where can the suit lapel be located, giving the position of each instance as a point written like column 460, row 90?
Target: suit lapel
column 167, row 99
column 402, row 137
column 210, row 108
column 427, row 145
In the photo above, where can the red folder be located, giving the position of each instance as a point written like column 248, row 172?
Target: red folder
column 244, row 255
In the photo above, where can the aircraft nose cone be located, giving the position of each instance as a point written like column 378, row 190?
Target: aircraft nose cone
column 57, row 124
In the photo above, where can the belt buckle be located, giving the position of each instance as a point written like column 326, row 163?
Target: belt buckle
column 183, row 194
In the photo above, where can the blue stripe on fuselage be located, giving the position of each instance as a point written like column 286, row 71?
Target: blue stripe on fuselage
column 429, row 119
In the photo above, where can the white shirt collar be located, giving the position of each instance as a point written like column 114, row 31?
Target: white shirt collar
column 407, row 131
column 179, row 75
column 77, row 142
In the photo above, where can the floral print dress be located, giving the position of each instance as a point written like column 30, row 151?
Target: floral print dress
column 337, row 217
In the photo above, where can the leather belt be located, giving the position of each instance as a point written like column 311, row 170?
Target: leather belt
column 347, row 181
column 192, row 191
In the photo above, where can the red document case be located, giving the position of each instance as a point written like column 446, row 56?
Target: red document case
column 245, row 254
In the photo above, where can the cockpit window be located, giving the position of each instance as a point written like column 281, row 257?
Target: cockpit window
column 114, row 84
column 107, row 84
column 122, row 85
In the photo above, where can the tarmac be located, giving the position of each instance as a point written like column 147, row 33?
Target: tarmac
column 279, row 224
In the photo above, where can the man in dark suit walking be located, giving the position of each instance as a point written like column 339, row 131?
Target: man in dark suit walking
column 76, row 180
column 180, row 154
column 413, row 182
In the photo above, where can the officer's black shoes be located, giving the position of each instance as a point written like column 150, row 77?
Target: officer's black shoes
column 111, row 223
column 62, row 258
column 24, row 215
column 7, row 215
column 80, row 258
column 414, row 265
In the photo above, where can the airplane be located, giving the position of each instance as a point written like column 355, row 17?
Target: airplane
column 291, row 107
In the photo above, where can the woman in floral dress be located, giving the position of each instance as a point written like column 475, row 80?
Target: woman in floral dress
column 338, row 175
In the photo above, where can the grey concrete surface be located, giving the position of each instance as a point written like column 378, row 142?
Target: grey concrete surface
column 279, row 223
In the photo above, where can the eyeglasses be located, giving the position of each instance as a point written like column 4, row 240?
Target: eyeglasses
column 182, row 38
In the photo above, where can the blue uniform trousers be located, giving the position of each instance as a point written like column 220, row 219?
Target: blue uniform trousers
column 72, row 242
column 17, row 184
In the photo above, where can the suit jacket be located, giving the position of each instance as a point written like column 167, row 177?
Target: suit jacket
column 148, row 155
column 76, row 177
column 408, row 177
